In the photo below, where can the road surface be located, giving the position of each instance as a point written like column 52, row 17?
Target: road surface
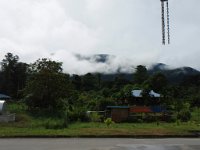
column 99, row 144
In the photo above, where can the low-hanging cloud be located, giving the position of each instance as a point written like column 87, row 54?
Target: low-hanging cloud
column 129, row 30
column 101, row 63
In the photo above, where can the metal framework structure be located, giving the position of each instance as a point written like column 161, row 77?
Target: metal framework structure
column 163, row 21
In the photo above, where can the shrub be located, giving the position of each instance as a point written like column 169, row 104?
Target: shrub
column 95, row 117
column 22, row 118
column 77, row 115
column 178, row 122
column 108, row 122
column 184, row 115
column 18, row 107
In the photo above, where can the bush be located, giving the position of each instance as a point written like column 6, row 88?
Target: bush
column 22, row 118
column 77, row 115
column 18, row 107
column 169, row 116
column 95, row 117
column 184, row 115
column 108, row 122
column 178, row 122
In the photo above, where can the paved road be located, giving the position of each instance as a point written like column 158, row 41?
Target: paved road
column 99, row 144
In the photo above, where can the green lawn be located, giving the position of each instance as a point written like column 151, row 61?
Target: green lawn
column 26, row 125
column 100, row 130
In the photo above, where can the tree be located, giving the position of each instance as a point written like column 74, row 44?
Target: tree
column 20, row 77
column 146, row 96
column 158, row 82
column 140, row 75
column 13, row 75
column 8, row 66
column 45, row 65
column 47, row 86
column 9, row 62
column 99, row 80
column 77, row 82
column 125, row 94
column 89, row 82
column 119, row 82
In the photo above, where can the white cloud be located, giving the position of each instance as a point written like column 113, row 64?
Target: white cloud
column 129, row 29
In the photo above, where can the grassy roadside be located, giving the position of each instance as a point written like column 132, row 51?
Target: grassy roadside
column 100, row 130
column 27, row 125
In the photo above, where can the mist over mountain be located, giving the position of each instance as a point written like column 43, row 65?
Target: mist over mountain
column 97, row 63
column 97, row 58
column 173, row 74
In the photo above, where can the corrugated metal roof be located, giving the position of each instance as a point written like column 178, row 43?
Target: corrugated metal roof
column 3, row 96
column 154, row 94
column 138, row 93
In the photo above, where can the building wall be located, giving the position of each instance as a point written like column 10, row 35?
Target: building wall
column 7, row 118
column 119, row 114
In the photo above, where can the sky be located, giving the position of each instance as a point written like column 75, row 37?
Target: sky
column 128, row 30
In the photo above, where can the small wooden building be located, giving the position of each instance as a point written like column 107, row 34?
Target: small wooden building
column 118, row 113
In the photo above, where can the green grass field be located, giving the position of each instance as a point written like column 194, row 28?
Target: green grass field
column 29, row 126
column 36, row 128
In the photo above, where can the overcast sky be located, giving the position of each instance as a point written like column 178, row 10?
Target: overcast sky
column 128, row 29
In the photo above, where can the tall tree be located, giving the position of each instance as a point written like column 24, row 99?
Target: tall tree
column 140, row 74
column 77, row 82
column 8, row 67
column 47, row 85
column 13, row 75
column 158, row 82
column 89, row 82
column 20, row 76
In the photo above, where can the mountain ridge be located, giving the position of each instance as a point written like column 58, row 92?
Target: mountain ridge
column 173, row 74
